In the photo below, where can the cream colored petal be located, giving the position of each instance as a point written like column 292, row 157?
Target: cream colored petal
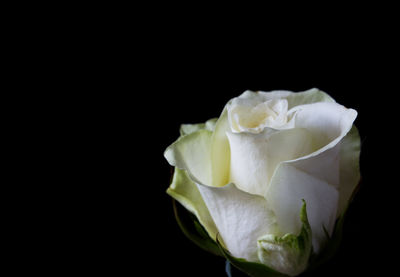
column 255, row 117
column 220, row 152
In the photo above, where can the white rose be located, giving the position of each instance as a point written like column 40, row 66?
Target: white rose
column 245, row 175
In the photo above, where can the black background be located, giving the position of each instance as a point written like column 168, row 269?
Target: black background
column 112, row 88
column 173, row 75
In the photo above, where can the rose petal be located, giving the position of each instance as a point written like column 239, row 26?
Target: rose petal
column 192, row 153
column 187, row 193
column 349, row 167
column 220, row 152
column 191, row 128
column 314, row 177
column 254, row 157
column 288, row 187
column 241, row 218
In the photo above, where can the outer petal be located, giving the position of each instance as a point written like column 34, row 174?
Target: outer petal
column 310, row 96
column 191, row 128
column 192, row 153
column 186, row 193
column 349, row 167
column 313, row 177
column 241, row 218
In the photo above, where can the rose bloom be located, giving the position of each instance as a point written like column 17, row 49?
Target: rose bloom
column 269, row 179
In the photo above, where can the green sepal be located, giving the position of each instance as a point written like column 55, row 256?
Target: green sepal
column 250, row 268
column 193, row 230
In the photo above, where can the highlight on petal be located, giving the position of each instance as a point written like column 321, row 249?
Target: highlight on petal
column 241, row 218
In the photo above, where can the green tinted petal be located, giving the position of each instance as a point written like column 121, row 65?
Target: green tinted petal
column 192, row 153
column 193, row 229
column 349, row 168
column 191, row 128
column 310, row 96
column 185, row 192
